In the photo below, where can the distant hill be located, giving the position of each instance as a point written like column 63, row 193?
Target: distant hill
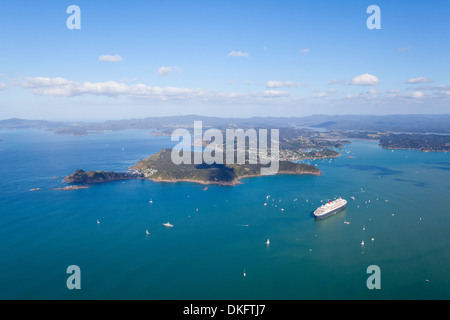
column 385, row 123
column 389, row 123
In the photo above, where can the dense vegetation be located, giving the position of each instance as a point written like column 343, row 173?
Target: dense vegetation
column 161, row 167
column 83, row 177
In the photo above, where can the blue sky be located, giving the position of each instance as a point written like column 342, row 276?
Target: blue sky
column 134, row 59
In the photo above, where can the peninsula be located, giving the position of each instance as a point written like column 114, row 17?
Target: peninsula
column 160, row 168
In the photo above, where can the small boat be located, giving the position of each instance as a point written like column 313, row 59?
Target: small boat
column 362, row 243
column 168, row 225
column 151, row 201
column 244, row 274
column 268, row 241
column 98, row 221
column 146, row 232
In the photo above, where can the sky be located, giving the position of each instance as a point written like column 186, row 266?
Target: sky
column 136, row 59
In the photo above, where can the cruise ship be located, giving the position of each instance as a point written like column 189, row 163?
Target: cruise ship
column 330, row 208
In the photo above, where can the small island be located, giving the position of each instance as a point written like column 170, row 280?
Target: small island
column 71, row 188
column 160, row 168
column 83, row 177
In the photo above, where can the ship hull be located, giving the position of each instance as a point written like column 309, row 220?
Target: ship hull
column 330, row 213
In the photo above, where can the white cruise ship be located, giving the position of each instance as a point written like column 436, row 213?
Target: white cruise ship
column 330, row 208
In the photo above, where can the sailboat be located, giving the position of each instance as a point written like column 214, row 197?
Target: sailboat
column 168, row 225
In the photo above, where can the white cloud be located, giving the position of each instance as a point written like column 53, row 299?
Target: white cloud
column 60, row 87
column 2, row 86
column 162, row 71
column 419, row 80
column 353, row 95
column 365, row 80
column 415, row 94
column 275, row 94
column 305, row 51
column 110, row 58
column 280, row 84
column 319, row 95
column 236, row 54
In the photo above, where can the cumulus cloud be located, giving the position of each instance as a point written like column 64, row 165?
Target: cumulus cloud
column 319, row 95
column 280, row 84
column 60, row 87
column 236, row 54
column 110, row 58
column 365, row 80
column 65, row 88
column 275, row 94
column 162, row 71
column 419, row 80
column 415, row 94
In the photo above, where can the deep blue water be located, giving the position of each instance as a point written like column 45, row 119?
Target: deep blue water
column 204, row 255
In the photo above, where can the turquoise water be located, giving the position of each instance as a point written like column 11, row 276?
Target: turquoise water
column 204, row 255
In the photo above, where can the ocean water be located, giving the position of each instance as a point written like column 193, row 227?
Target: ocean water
column 401, row 201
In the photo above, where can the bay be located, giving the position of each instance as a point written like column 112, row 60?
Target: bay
column 400, row 202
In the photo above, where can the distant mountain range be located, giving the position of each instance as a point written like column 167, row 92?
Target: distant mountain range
column 386, row 123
